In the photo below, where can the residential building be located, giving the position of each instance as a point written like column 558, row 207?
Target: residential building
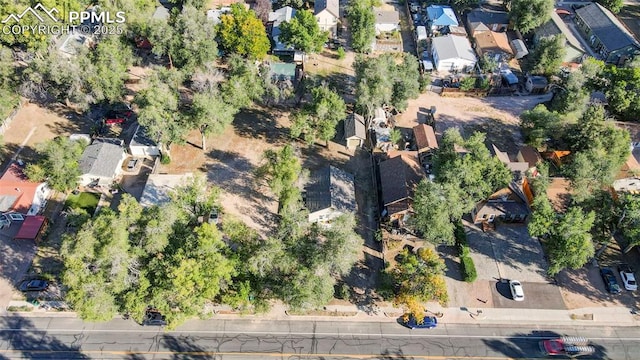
column 493, row 44
column 355, row 131
column 628, row 178
column 556, row 27
column 327, row 12
column 518, row 168
column 387, row 21
column 18, row 194
column 479, row 20
column 101, row 162
column 508, row 205
column 426, row 142
column 158, row 188
column 531, row 156
column 399, row 176
column 440, row 16
column 606, row 34
column 452, row 53
column 330, row 194
column 276, row 18
column 141, row 145
column 215, row 15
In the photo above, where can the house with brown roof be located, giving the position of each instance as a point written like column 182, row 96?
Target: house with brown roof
column 508, row 204
column 518, row 168
column 531, row 156
column 493, row 44
column 399, row 176
column 426, row 142
column 628, row 178
column 19, row 194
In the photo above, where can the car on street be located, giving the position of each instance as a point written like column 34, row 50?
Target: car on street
column 428, row 322
column 571, row 346
column 628, row 277
column 34, row 285
column 610, row 282
column 517, row 293
column 153, row 317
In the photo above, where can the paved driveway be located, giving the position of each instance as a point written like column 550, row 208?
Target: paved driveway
column 507, row 253
column 14, row 262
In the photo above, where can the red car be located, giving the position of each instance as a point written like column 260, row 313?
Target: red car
column 117, row 116
column 566, row 346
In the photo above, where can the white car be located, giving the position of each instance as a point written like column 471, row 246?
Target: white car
column 517, row 293
column 628, row 278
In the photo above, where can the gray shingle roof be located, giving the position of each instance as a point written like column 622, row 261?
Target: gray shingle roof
column 556, row 26
column 332, row 6
column 102, row 157
column 331, row 187
column 451, row 46
column 354, row 127
column 480, row 16
column 606, row 27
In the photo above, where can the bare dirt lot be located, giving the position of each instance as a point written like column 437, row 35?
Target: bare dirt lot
column 497, row 116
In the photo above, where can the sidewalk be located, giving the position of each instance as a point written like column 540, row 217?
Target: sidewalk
column 585, row 317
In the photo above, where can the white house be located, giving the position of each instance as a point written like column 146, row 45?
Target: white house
column 141, row 145
column 331, row 193
column 101, row 162
column 387, row 21
column 452, row 53
column 276, row 18
column 327, row 12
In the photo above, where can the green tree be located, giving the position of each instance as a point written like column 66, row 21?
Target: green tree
column 303, row 33
column 319, row 118
column 436, row 210
column 547, row 56
column 488, row 64
column 296, row 4
column 210, row 114
column 158, row 111
column 419, row 277
column 614, row 5
column 244, row 85
column 380, row 80
column 193, row 41
column 527, row 15
column 569, row 244
column 362, row 21
column 241, row 32
column 58, row 163
column 628, row 220
column 467, row 83
column 623, row 91
column 281, row 170
column 543, row 217
column 540, row 126
column 111, row 59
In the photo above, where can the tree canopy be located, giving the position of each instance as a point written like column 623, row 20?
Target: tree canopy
column 303, row 33
column 380, row 80
column 541, row 126
column 569, row 242
column 547, row 56
column 623, row 91
column 318, row 119
column 527, row 15
column 210, row 114
column 58, row 163
column 242, row 32
column 281, row 170
column 362, row 21
column 614, row 5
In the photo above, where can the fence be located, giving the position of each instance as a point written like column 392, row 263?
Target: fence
column 9, row 119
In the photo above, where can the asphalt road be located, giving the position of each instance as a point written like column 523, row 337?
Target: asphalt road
column 62, row 338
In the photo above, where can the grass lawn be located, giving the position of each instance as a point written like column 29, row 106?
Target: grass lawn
column 84, row 200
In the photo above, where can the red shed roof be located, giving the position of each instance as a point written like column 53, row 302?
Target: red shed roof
column 30, row 227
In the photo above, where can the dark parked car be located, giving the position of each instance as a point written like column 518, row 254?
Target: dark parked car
column 34, row 285
column 610, row 282
column 428, row 322
column 153, row 317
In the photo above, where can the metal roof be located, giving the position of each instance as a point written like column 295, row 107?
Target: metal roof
column 451, row 46
column 442, row 15
column 604, row 25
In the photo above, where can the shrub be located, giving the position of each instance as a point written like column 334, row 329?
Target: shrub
column 165, row 159
column 341, row 53
column 467, row 83
column 461, row 240
column 469, row 273
column 424, row 81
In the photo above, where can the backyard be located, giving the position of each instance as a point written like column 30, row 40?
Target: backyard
column 86, row 201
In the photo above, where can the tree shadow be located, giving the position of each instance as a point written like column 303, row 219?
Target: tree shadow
column 449, row 254
column 27, row 154
column 259, row 123
column 33, row 343
column 394, row 355
column 75, row 122
column 185, row 348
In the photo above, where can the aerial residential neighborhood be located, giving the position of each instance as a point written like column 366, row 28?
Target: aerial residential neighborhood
column 296, row 179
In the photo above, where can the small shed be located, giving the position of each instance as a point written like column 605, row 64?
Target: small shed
column 31, row 228
column 519, row 48
column 355, row 132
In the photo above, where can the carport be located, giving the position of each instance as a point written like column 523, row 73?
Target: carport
column 31, row 228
